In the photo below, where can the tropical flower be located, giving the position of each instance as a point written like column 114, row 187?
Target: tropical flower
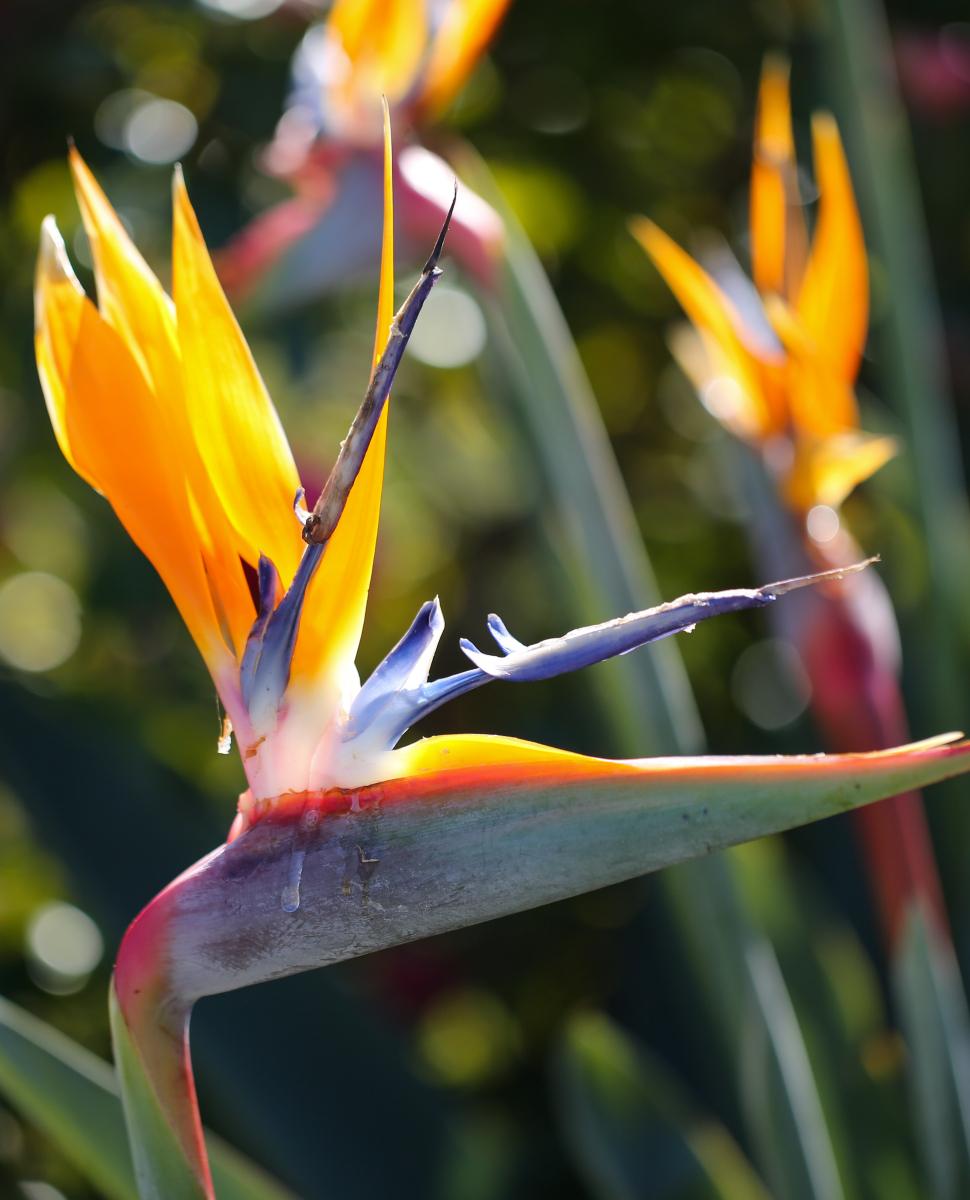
column 418, row 55
column 161, row 408
column 327, row 147
column 776, row 360
column 343, row 842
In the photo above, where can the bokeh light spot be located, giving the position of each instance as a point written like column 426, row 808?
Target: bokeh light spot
column 37, row 1189
column 114, row 112
column 45, row 529
column 468, row 1038
column 770, row 685
column 64, row 946
column 551, row 100
column 723, row 397
column 243, row 10
column 450, row 331
column 550, row 205
column 160, row 131
column 822, row 523
column 40, row 621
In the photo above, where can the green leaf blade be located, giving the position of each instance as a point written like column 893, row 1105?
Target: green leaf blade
column 72, row 1096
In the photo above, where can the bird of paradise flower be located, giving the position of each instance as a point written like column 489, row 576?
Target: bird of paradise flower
column 776, row 361
column 343, row 842
column 327, row 148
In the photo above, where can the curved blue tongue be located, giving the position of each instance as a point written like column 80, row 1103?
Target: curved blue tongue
column 583, row 647
column 397, row 694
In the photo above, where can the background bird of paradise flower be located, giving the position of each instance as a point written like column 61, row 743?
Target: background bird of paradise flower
column 440, row 1073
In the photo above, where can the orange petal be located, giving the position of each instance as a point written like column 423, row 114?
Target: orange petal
column 235, row 426
column 119, row 438
column 820, row 401
column 834, row 298
column 385, row 41
column 839, row 463
column 130, row 298
column 713, row 314
column 466, row 30
column 333, row 613
column 58, row 308
column 779, row 239
column 134, row 304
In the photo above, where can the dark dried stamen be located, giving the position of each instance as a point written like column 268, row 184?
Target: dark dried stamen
column 265, row 670
column 321, row 523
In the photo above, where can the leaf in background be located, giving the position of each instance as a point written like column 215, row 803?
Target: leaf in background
column 935, row 1023
column 858, row 1059
column 633, row 1133
column 736, row 966
column 72, row 1096
column 910, row 343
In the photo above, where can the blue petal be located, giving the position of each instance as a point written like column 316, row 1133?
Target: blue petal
column 397, row 694
column 594, row 643
column 507, row 643
column 265, row 673
column 405, row 668
column 269, row 579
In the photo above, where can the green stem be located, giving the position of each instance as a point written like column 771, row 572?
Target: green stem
column 925, row 978
column 158, row 1097
column 910, row 340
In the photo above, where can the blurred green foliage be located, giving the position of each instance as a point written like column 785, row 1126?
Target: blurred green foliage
column 586, row 111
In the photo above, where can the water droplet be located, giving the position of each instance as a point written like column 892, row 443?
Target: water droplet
column 290, row 900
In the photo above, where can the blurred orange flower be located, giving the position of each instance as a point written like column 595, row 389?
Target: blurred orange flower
column 776, row 360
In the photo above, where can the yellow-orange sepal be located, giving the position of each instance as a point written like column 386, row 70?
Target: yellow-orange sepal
column 756, row 410
column 834, row 298
column 115, row 434
column 171, row 422
column 779, row 239
column 467, row 28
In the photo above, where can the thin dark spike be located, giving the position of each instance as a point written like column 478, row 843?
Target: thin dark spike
column 265, row 670
column 432, row 262
column 318, row 529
